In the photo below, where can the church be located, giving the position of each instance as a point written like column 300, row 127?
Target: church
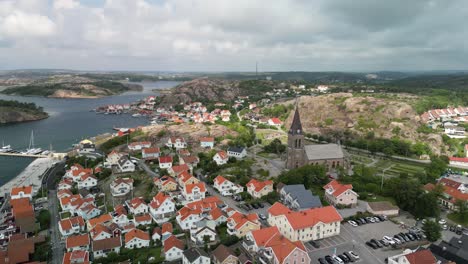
column 300, row 154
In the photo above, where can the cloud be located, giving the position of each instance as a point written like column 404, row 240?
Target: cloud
column 231, row 35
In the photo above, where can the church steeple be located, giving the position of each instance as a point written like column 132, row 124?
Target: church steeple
column 296, row 126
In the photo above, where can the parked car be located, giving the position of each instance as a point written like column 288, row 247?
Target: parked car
column 372, row 245
column 382, row 217
column 384, row 242
column 255, row 206
column 261, row 205
column 354, row 255
column 249, row 207
column 329, row 259
column 338, row 259
column 350, row 258
column 370, row 219
column 442, row 222
column 322, row 261
column 352, row 223
column 262, row 216
column 315, row 244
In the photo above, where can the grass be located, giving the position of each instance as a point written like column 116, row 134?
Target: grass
column 457, row 218
column 393, row 168
column 264, row 134
column 378, row 198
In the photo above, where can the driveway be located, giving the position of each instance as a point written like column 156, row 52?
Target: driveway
column 347, row 212
column 146, row 168
column 56, row 243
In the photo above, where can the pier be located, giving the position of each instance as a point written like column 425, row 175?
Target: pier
column 23, row 155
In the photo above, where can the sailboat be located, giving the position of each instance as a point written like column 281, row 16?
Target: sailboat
column 31, row 150
column 4, row 148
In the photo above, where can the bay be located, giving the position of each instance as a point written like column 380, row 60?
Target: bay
column 70, row 120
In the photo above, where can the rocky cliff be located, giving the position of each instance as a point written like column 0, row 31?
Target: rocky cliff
column 16, row 115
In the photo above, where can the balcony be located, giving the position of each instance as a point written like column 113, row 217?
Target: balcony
column 231, row 225
column 231, row 231
column 267, row 254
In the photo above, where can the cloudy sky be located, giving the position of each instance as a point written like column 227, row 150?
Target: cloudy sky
column 230, row 35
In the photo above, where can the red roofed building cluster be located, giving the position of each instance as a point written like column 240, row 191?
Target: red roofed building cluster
column 453, row 191
column 257, row 188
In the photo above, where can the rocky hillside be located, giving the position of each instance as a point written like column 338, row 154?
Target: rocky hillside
column 386, row 117
column 209, row 89
column 14, row 112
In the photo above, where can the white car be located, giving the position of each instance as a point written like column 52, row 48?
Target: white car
column 442, row 222
column 354, row 255
column 352, row 223
column 389, row 240
column 397, row 241
column 338, row 260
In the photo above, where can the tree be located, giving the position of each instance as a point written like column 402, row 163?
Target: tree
column 275, row 146
column 462, row 209
column 432, row 230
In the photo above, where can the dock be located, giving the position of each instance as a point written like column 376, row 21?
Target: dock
column 23, row 155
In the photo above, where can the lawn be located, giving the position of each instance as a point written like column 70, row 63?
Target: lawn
column 267, row 135
column 457, row 218
column 392, row 167
column 378, row 198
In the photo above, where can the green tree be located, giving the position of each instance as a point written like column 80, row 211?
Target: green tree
column 275, row 146
column 432, row 230
column 462, row 209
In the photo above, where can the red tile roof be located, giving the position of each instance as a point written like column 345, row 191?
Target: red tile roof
column 281, row 246
column 337, row 188
column 136, row 233
column 222, row 154
column 77, row 241
column 108, row 243
column 180, row 168
column 219, row 180
column 207, row 139
column 459, row 159
column 24, row 189
column 171, row 242
column 189, row 187
column 151, row 150
column 76, row 257
column 98, row 229
column 259, row 185
column 165, row 159
column 167, row 227
column 276, row 121
column 421, row 257
column 143, row 218
column 100, row 219
column 240, row 219
column 306, row 218
column 68, row 223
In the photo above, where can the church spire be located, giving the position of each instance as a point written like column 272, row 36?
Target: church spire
column 296, row 126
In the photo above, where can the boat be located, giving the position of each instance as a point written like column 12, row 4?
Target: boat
column 136, row 115
column 6, row 148
column 154, row 122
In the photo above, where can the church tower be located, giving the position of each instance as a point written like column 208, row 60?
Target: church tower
column 296, row 152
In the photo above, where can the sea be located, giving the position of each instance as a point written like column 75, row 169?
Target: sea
column 70, row 121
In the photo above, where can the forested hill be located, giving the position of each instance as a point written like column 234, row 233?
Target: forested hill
column 14, row 111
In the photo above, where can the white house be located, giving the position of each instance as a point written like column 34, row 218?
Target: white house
column 113, row 158
column 150, row 153
column 77, row 242
column 202, row 229
column 195, row 211
column 125, row 165
column 225, row 187
column 322, row 88
column 195, row 256
column 135, row 146
column 121, row 186
column 207, row 142
column 99, row 232
column 101, row 248
column 136, row 238
column 194, row 192
column 143, row 220
column 87, row 181
column 71, row 226
column 237, row 152
column 162, row 207
column 137, row 206
column 275, row 122
column 21, row 192
column 221, row 158
column 176, row 142
column 173, row 248
column 165, row 162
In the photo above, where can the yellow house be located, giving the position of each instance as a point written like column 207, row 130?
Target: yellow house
column 165, row 184
column 239, row 224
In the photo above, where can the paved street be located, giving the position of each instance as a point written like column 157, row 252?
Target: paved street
column 146, row 168
column 347, row 212
column 57, row 246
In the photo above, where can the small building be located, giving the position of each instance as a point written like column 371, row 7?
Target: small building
column 207, row 142
column 221, row 158
column 202, row 230
column 340, row 194
column 382, row 208
column 176, row 142
column 423, row 256
column 101, row 248
column 165, row 162
column 121, row 186
column 150, row 153
column 195, row 256
column 137, row 238
column 239, row 224
column 137, row 206
column 276, row 122
column 166, row 183
column 257, row 189
column 297, row 197
column 77, row 242
column 173, row 248
column 135, row 146
column 71, row 226
column 225, row 187
column 237, row 152
column 125, row 165
column 224, row 255
column 21, row 192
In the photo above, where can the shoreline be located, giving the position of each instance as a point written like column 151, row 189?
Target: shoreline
column 31, row 175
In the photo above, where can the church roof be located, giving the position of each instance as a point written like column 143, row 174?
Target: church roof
column 296, row 126
column 324, row 151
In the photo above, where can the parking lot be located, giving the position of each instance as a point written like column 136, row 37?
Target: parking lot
column 354, row 239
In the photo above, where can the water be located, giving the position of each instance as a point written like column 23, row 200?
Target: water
column 70, row 120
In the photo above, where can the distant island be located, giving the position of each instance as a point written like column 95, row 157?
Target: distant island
column 66, row 86
column 14, row 112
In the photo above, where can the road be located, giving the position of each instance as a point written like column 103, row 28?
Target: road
column 51, row 175
column 143, row 166
column 56, row 243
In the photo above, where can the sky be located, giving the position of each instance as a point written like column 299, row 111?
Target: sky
column 232, row 35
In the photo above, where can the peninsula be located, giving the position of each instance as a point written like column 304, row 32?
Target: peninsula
column 14, row 112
